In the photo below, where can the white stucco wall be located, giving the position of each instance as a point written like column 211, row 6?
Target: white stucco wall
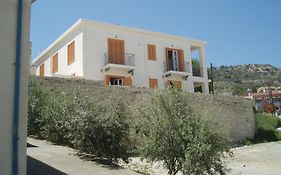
column 8, row 25
column 64, row 70
column 95, row 46
column 91, row 38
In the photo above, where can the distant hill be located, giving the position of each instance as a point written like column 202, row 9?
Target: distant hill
column 241, row 79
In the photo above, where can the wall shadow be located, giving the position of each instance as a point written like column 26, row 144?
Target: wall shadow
column 36, row 167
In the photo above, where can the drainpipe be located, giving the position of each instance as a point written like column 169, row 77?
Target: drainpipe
column 17, row 91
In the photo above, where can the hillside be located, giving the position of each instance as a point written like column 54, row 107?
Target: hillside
column 241, row 79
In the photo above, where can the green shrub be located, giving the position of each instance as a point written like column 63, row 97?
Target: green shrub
column 104, row 131
column 266, row 128
column 37, row 102
column 180, row 136
column 98, row 127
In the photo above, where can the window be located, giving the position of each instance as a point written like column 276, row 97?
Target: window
column 42, row 70
column 153, row 83
column 116, row 81
column 71, row 53
column 55, row 63
column 175, row 60
column 175, row 84
column 151, row 51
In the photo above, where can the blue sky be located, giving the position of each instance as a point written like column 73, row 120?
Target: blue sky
column 236, row 31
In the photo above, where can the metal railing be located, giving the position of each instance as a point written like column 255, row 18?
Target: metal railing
column 119, row 58
column 170, row 66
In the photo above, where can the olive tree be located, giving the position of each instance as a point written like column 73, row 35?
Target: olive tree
column 184, row 139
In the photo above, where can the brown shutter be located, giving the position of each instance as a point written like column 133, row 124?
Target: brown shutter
column 106, row 80
column 55, row 63
column 178, row 85
column 153, row 83
column 121, row 50
column 110, row 48
column 151, row 52
column 71, row 53
column 116, row 51
column 181, row 60
column 127, row 81
column 42, row 70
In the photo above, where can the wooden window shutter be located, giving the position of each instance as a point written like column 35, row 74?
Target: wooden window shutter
column 153, row 83
column 42, row 70
column 116, row 51
column 55, row 63
column 71, row 53
column 127, row 81
column 151, row 52
column 106, row 80
column 181, row 60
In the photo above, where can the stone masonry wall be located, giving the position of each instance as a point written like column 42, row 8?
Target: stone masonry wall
column 234, row 112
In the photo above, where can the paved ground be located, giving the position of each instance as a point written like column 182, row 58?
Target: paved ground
column 47, row 159
column 261, row 159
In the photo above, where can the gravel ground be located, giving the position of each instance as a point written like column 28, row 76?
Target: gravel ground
column 259, row 159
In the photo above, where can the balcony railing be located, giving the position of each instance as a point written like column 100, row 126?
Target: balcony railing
column 184, row 67
column 119, row 58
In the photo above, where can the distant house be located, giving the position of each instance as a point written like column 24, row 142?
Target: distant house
column 125, row 56
column 266, row 89
column 266, row 97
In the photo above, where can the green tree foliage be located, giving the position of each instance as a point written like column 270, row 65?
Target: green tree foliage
column 196, row 67
column 266, row 128
column 180, row 136
column 93, row 126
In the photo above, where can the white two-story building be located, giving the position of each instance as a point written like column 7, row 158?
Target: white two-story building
column 125, row 56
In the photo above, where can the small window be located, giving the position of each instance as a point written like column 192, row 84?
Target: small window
column 116, row 81
column 55, row 63
column 151, row 51
column 71, row 53
column 42, row 70
column 175, row 84
column 153, row 83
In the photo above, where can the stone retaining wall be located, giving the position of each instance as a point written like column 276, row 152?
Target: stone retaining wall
column 237, row 113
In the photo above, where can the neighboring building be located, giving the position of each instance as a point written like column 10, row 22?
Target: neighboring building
column 266, row 89
column 262, row 98
column 14, row 71
column 124, row 56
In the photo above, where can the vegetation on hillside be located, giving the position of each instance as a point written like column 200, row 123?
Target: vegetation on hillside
column 242, row 79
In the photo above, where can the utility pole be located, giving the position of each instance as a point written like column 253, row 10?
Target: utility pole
column 212, row 79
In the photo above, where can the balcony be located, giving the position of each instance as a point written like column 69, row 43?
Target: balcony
column 119, row 62
column 175, row 69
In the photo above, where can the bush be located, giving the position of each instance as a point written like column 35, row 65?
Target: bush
column 183, row 138
column 37, row 102
column 104, row 130
column 72, row 118
column 266, row 128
